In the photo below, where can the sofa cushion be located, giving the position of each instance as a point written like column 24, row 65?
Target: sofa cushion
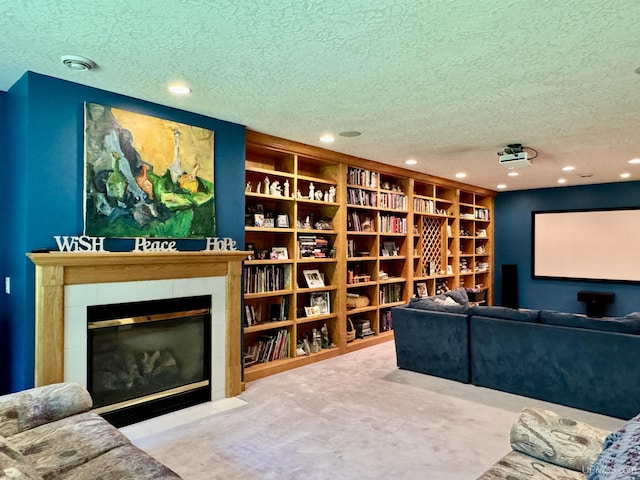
column 628, row 325
column 12, row 464
column 620, row 455
column 430, row 304
column 518, row 466
column 29, row 408
column 545, row 435
column 123, row 463
column 57, row 447
column 505, row 313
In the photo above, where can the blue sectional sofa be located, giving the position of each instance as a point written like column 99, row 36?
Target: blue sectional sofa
column 569, row 359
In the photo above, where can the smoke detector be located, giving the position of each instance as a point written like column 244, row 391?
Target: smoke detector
column 513, row 156
column 80, row 64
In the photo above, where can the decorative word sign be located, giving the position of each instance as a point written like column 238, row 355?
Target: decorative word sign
column 79, row 244
column 84, row 243
column 145, row 245
column 215, row 244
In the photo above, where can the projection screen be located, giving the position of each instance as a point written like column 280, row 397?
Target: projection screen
column 597, row 245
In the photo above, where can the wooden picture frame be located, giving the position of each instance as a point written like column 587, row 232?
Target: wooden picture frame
column 279, row 253
column 421, row 290
column 312, row 311
column 322, row 300
column 313, row 278
column 282, row 220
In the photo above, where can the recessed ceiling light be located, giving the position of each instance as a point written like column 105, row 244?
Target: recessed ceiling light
column 179, row 89
column 501, row 186
column 80, row 64
column 461, row 175
column 568, row 168
column 635, row 161
column 327, row 138
column 562, row 180
column 513, row 174
column 350, row 133
column 625, row 175
column 586, row 175
column 411, row 161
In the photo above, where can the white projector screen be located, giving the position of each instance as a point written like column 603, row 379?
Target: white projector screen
column 598, row 245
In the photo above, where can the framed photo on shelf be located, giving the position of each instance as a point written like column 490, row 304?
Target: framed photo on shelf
column 322, row 301
column 251, row 248
column 313, row 278
column 258, row 219
column 269, row 221
column 312, row 311
column 282, row 220
column 421, row 290
column 279, row 253
column 388, row 249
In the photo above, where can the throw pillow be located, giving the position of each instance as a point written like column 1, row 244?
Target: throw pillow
column 627, row 324
column 620, row 456
column 459, row 295
column 430, row 304
column 445, row 301
column 545, row 435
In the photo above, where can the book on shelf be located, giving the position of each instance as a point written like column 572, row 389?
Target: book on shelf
column 266, row 278
column 363, row 178
column 269, row 347
column 362, row 198
column 393, row 201
column 424, row 205
column 393, row 224
column 360, row 222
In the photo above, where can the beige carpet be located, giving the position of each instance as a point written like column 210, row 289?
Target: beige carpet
column 353, row 417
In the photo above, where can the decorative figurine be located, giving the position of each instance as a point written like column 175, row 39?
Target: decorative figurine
column 258, row 187
column 312, row 189
column 267, row 184
column 332, row 193
column 324, row 331
column 286, row 188
column 276, row 189
column 326, row 196
column 316, row 340
column 318, row 195
column 248, row 187
column 298, row 194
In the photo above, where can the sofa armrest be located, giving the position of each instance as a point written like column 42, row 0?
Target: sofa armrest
column 27, row 409
column 545, row 435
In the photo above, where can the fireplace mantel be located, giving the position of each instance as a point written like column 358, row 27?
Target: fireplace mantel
column 55, row 270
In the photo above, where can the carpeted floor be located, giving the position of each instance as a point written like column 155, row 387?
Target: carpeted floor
column 356, row 416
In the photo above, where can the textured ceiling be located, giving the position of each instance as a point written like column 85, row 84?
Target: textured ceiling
column 447, row 82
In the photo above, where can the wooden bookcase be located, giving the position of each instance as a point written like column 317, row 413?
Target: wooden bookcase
column 369, row 230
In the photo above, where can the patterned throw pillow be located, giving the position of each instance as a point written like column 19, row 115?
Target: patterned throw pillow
column 620, row 456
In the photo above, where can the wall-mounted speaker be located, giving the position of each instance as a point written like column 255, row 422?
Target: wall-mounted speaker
column 510, row 285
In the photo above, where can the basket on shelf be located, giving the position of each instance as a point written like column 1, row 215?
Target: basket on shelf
column 351, row 331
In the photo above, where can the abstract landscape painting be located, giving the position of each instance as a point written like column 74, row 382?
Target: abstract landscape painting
column 146, row 176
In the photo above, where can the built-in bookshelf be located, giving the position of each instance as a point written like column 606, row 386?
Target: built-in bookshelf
column 338, row 241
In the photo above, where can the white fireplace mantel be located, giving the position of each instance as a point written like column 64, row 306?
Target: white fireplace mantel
column 55, row 270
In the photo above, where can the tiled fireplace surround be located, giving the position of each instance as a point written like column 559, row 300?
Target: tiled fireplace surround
column 66, row 283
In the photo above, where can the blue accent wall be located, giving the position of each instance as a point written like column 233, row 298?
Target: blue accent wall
column 4, row 200
column 46, row 145
column 513, row 245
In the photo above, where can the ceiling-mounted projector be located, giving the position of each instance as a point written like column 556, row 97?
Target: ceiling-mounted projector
column 514, row 157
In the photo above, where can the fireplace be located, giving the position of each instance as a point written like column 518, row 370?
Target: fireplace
column 69, row 284
column 148, row 358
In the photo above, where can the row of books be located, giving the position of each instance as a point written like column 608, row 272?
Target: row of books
column 363, row 178
column 393, row 201
column 266, row 278
column 268, row 348
column 362, row 198
column 393, row 224
column 313, row 246
column 278, row 311
column 482, row 213
column 390, row 293
column 360, row 222
column 424, row 205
